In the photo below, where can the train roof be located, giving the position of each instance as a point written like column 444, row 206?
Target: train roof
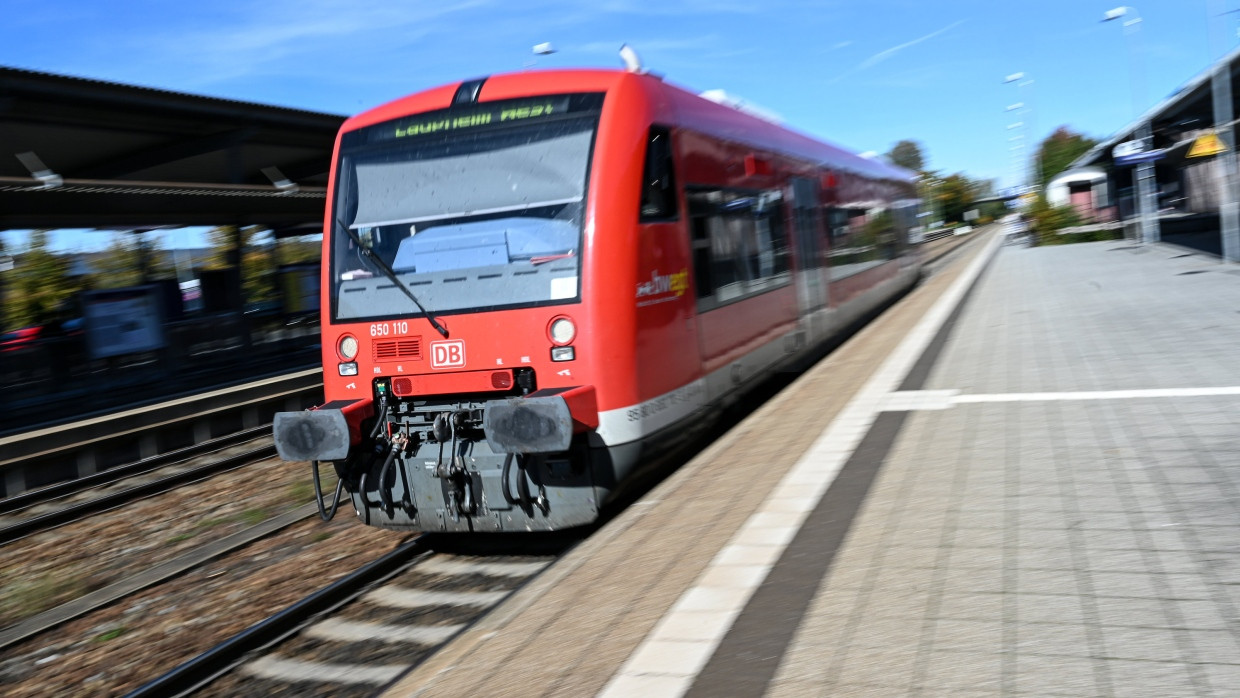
column 737, row 125
column 691, row 111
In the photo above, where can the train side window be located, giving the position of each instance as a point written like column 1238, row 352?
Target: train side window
column 740, row 243
column 837, row 222
column 658, row 180
column 701, row 257
column 862, row 238
column 773, row 233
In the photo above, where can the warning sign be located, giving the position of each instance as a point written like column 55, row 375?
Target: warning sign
column 1206, row 144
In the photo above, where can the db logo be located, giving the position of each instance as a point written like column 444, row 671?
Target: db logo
column 449, row 354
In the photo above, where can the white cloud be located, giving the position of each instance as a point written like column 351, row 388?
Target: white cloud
column 888, row 53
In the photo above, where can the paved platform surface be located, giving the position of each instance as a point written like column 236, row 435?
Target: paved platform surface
column 1042, row 498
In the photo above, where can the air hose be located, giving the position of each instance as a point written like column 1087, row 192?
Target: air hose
column 364, row 512
column 523, row 489
column 503, row 482
column 381, row 422
column 385, row 494
column 325, row 514
column 525, row 501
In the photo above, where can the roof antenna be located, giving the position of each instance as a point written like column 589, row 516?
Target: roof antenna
column 543, row 49
column 632, row 62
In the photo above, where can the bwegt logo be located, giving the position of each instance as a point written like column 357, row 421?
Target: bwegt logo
column 660, row 284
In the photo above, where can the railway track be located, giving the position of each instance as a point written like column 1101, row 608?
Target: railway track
column 46, row 508
column 55, row 456
column 942, row 251
column 358, row 634
column 428, row 599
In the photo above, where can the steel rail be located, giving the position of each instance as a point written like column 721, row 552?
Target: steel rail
column 204, row 668
column 947, row 250
column 35, row 524
column 60, row 490
column 159, row 573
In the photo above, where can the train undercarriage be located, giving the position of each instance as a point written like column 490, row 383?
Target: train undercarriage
column 514, row 464
column 430, row 467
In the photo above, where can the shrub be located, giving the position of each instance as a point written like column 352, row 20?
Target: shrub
column 1045, row 221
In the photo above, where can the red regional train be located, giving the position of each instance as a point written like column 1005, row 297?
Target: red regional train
column 535, row 283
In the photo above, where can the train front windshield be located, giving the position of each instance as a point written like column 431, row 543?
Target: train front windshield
column 472, row 209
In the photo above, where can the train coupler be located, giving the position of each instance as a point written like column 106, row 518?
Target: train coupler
column 462, row 499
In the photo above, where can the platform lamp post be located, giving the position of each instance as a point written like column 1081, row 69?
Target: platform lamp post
column 1018, row 163
column 1146, row 198
column 1015, row 145
column 1025, row 108
column 1017, row 150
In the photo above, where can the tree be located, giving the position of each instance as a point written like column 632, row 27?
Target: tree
column 302, row 249
column 1059, row 150
column 1046, row 221
column 221, row 239
column 907, row 154
column 956, row 194
column 257, row 259
column 39, row 290
column 990, row 210
column 129, row 260
column 949, row 198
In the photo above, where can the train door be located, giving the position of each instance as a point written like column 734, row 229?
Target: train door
column 664, row 299
column 811, row 288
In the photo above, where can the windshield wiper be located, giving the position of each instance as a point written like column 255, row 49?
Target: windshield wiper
column 543, row 259
column 391, row 275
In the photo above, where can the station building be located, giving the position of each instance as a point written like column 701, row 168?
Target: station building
column 1190, row 156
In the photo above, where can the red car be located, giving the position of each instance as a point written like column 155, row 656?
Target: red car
column 20, row 339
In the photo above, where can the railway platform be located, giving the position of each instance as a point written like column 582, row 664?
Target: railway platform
column 1024, row 478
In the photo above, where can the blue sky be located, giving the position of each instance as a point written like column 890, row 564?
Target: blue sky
column 863, row 74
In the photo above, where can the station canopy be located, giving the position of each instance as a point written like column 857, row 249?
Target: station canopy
column 1176, row 122
column 79, row 153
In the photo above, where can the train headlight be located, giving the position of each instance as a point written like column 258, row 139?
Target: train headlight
column 562, row 331
column 347, row 347
column 348, row 369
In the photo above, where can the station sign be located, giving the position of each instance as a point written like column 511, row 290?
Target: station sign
column 1205, row 145
column 1135, row 152
column 1128, row 149
column 123, row 321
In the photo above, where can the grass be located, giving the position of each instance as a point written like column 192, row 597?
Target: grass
column 253, row 517
column 210, row 523
column 27, row 597
column 301, row 491
column 111, row 634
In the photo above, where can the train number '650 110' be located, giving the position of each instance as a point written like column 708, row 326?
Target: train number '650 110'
column 384, row 329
